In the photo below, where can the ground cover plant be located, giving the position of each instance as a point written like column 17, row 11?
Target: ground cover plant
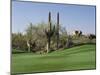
column 76, row 58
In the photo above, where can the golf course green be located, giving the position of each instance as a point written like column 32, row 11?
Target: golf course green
column 75, row 58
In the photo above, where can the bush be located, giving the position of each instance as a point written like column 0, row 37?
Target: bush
column 69, row 42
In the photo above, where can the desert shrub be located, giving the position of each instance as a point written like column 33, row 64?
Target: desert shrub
column 18, row 41
column 91, row 38
column 69, row 42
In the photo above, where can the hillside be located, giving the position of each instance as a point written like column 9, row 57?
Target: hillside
column 76, row 58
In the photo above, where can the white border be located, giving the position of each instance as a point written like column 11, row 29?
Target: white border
column 85, row 2
column 5, row 37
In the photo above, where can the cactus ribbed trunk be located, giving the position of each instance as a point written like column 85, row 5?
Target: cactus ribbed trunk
column 49, row 38
column 49, row 21
column 49, row 32
column 57, row 30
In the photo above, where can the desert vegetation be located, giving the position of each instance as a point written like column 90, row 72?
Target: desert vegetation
column 47, row 37
column 49, row 47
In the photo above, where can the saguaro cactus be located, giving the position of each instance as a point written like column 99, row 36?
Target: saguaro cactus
column 57, row 30
column 49, row 32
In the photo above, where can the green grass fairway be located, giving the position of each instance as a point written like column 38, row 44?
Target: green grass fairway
column 76, row 58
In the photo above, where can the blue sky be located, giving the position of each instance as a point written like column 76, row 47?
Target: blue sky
column 72, row 17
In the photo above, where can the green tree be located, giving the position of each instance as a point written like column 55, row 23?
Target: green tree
column 36, row 38
column 18, row 41
column 91, row 37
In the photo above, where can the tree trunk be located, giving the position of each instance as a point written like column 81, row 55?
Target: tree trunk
column 48, row 45
column 28, row 45
column 29, row 49
column 47, row 48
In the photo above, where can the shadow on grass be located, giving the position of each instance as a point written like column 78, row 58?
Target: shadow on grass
column 75, row 45
column 18, row 52
column 80, row 44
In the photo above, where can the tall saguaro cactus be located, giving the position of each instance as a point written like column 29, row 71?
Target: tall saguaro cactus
column 57, row 30
column 49, row 32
